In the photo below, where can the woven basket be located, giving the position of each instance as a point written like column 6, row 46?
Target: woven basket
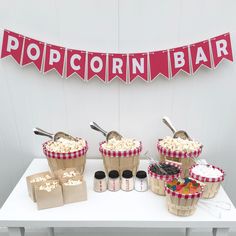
column 186, row 159
column 212, row 185
column 181, row 204
column 157, row 182
column 57, row 161
column 121, row 160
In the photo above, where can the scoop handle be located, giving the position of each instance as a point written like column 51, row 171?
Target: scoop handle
column 166, row 121
column 96, row 127
column 41, row 132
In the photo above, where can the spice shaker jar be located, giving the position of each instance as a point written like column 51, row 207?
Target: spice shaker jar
column 100, row 183
column 141, row 183
column 114, row 180
column 127, row 181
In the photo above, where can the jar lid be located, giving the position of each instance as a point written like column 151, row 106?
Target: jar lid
column 141, row 174
column 113, row 174
column 99, row 174
column 127, row 174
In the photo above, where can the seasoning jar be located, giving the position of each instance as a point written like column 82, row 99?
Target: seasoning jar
column 100, row 183
column 114, row 180
column 127, row 181
column 141, row 183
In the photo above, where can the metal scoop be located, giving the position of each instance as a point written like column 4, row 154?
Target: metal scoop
column 55, row 136
column 177, row 134
column 108, row 135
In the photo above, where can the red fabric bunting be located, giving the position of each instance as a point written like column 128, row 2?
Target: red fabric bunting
column 117, row 66
column 221, row 48
column 200, row 55
column 12, row 45
column 138, row 66
column 76, row 61
column 54, row 58
column 159, row 64
column 33, row 52
column 179, row 59
column 97, row 65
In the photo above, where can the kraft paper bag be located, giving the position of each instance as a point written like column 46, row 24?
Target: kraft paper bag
column 49, row 199
column 74, row 193
column 31, row 185
column 59, row 174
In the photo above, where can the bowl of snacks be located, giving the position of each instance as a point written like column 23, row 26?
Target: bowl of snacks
column 182, row 196
column 64, row 153
column 121, row 154
column 160, row 173
column 179, row 150
column 210, row 175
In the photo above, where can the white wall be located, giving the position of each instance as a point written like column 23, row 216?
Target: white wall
column 202, row 104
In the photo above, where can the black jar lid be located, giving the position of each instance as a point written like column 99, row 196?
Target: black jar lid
column 99, row 174
column 113, row 174
column 127, row 174
column 141, row 174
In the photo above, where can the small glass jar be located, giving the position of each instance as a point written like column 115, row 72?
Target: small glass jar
column 100, row 183
column 127, row 181
column 141, row 182
column 114, row 181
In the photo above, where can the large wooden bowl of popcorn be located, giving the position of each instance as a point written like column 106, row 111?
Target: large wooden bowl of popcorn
column 63, row 153
column 179, row 150
column 121, row 154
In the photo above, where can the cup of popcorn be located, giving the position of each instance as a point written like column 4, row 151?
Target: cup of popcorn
column 210, row 175
column 64, row 153
column 158, row 176
column 182, row 196
column 121, row 154
column 179, row 150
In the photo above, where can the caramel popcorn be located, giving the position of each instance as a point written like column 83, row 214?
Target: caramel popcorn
column 40, row 179
column 64, row 145
column 49, row 186
column 73, row 182
column 179, row 144
column 124, row 144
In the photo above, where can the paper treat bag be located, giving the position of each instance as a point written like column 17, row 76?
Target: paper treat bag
column 74, row 190
column 48, row 194
column 33, row 180
column 68, row 173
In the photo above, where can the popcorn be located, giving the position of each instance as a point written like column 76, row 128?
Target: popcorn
column 124, row 144
column 64, row 145
column 73, row 182
column 40, row 179
column 207, row 171
column 179, row 144
column 49, row 186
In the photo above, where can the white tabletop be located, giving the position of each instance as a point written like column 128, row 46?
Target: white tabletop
column 107, row 209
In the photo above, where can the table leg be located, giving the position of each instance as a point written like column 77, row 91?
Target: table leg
column 50, row 231
column 188, row 231
column 16, row 231
column 220, row 231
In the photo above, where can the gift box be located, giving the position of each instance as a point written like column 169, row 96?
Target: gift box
column 74, row 190
column 35, row 179
column 48, row 194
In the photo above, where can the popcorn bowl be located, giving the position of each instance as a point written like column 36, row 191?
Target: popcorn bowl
column 63, row 160
column 157, row 182
column 185, row 158
column 212, row 185
column 121, row 160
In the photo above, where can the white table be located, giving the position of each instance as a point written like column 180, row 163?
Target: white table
column 108, row 210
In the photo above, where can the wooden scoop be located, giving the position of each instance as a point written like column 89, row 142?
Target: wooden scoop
column 177, row 134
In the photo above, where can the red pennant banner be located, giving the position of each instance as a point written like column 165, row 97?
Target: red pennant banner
column 97, row 65
column 221, row 48
column 76, row 61
column 12, row 45
column 54, row 58
column 117, row 66
column 33, row 52
column 179, row 59
column 138, row 66
column 159, row 64
column 200, row 55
